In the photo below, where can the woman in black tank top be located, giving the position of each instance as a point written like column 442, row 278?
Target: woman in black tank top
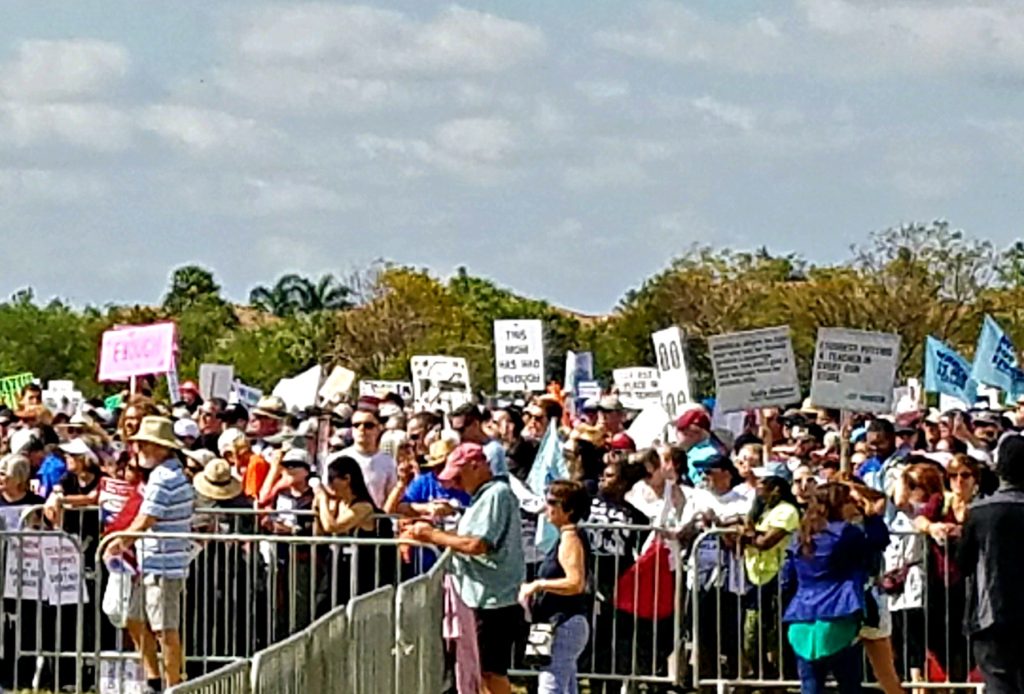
column 561, row 595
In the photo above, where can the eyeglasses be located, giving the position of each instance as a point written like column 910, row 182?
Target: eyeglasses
column 961, row 475
column 364, row 425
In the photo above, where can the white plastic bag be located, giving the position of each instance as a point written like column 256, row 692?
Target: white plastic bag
column 117, row 598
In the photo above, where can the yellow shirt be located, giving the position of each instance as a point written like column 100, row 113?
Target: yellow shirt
column 763, row 565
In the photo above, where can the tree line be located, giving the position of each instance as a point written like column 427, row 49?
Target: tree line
column 914, row 280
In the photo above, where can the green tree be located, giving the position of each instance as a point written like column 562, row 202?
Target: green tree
column 192, row 286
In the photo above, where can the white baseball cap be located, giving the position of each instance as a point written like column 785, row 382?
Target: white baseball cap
column 186, row 428
column 78, row 447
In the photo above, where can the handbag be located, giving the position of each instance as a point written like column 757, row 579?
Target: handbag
column 647, row 589
column 539, row 643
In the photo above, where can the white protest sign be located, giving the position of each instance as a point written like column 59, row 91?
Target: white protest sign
column 378, row 389
column 854, row 370
column 62, row 572
column 23, row 568
column 244, row 395
column 299, row 392
column 215, row 380
column 440, row 383
column 673, row 377
column 61, row 396
column 173, row 385
column 579, row 367
column 587, row 390
column 120, row 675
column 519, row 355
column 754, row 369
column 637, row 386
column 649, row 427
column 337, row 384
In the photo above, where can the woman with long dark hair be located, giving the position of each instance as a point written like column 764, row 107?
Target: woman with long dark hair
column 343, row 506
column 823, row 578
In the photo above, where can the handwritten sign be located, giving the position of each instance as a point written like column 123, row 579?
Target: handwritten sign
column 440, row 383
column 854, row 370
column 519, row 355
column 637, row 386
column 378, row 389
column 136, row 351
column 674, row 378
column 753, row 369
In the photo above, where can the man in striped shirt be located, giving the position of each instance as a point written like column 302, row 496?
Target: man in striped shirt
column 167, row 507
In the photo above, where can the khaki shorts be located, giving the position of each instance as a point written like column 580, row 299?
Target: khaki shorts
column 157, row 600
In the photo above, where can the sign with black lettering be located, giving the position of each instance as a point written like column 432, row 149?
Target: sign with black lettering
column 637, row 386
column 754, row 369
column 519, row 355
column 854, row 370
column 440, row 383
column 673, row 376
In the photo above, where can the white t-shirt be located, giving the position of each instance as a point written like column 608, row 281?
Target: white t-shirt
column 380, row 472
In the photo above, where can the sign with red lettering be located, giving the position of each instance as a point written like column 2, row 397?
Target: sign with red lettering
column 136, row 351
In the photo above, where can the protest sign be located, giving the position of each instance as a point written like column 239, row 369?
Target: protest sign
column 673, row 377
column 61, row 396
column 337, row 384
column 136, row 351
column 854, row 370
column 649, row 427
column 945, row 371
column 440, row 383
column 588, row 390
column 22, row 559
column 10, row 388
column 378, row 389
column 173, row 389
column 244, row 395
column 995, row 360
column 299, row 392
column 215, row 380
column 754, row 369
column 637, row 386
column 519, row 355
column 62, row 572
column 579, row 367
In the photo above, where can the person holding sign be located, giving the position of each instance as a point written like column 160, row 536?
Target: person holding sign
column 167, row 507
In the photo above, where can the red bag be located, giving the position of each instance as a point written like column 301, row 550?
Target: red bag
column 647, row 589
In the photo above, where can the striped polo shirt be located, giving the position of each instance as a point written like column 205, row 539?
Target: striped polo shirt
column 169, row 498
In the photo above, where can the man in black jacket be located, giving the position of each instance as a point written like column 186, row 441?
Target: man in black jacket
column 993, row 563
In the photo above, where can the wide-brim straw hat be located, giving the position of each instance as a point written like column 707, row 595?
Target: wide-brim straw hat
column 159, row 431
column 216, row 481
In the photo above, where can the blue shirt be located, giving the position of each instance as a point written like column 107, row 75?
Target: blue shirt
column 426, row 488
column 491, row 580
column 495, row 453
column 51, row 472
column 169, row 498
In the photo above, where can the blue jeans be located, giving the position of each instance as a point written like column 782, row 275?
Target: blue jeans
column 847, row 666
column 559, row 677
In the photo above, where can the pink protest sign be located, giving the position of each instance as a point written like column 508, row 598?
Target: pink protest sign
column 136, row 351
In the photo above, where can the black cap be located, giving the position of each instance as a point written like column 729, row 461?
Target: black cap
column 234, row 413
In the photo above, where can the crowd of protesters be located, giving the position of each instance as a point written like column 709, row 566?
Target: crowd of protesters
column 880, row 535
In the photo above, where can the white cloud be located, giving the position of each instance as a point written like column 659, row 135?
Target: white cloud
column 26, row 187
column 485, row 140
column 912, row 37
column 63, row 70
column 91, row 126
column 202, row 131
column 672, row 33
column 282, row 196
column 364, row 41
column 729, row 114
column 604, row 172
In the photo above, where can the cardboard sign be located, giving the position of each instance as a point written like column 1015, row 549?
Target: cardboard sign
column 673, row 376
column 378, row 389
column 61, row 396
column 337, row 384
column 244, row 395
column 299, row 392
column 754, row 369
column 10, row 388
column 62, row 572
column 215, row 380
column 519, row 355
column 854, row 370
column 136, row 351
column 637, row 386
column 440, row 383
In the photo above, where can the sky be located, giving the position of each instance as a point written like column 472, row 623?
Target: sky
column 566, row 150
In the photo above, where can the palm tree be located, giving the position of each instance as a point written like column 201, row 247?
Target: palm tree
column 293, row 294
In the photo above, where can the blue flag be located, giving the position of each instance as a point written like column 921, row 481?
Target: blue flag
column 995, row 360
column 945, row 371
column 548, row 466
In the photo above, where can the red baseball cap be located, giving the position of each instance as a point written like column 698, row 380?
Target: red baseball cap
column 622, row 442
column 465, row 454
column 695, row 417
column 189, row 386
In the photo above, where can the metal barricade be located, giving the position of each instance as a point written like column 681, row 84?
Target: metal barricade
column 371, row 621
column 633, row 639
column 419, row 611
column 283, row 667
column 44, row 594
column 737, row 638
column 233, row 678
column 329, row 652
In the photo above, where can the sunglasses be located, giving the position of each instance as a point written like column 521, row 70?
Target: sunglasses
column 961, row 475
column 553, row 502
column 364, row 425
